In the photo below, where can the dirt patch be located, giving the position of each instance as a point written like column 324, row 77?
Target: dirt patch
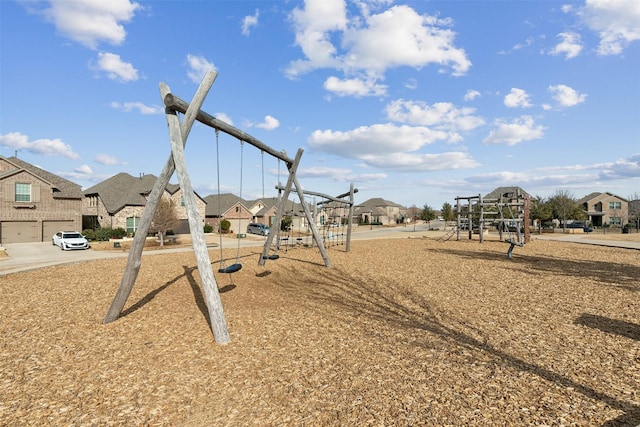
column 398, row 332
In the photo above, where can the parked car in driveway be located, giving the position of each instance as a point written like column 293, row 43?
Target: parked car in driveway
column 68, row 240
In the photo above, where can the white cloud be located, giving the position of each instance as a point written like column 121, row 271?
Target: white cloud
column 338, row 174
column 46, row 147
column 380, row 139
column 392, row 147
column 421, row 162
column 519, row 130
column 225, row 118
column 471, row 95
column 442, row 116
column 142, row 108
column 423, row 41
column 89, row 22
column 517, row 98
column 269, row 123
column 198, row 67
column 115, row 68
column 616, row 22
column 368, row 43
column 570, row 45
column 248, row 22
column 354, row 87
column 313, row 26
column 566, row 96
column 105, row 159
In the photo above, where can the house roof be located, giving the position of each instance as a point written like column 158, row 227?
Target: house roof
column 377, row 202
column 125, row 190
column 62, row 188
column 501, row 191
column 595, row 194
column 218, row 205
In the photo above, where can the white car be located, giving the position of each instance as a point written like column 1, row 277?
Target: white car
column 68, row 240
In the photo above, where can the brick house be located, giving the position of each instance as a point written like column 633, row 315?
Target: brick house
column 230, row 207
column 380, row 210
column 118, row 202
column 605, row 208
column 35, row 204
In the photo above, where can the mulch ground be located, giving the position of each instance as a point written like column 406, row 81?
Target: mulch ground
column 398, row 332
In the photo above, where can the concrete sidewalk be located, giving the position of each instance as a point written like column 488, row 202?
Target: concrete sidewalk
column 590, row 240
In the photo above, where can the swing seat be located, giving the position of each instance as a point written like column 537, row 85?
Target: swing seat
column 274, row 257
column 230, row 269
column 513, row 242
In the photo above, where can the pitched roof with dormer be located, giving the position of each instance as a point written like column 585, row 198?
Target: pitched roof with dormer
column 62, row 188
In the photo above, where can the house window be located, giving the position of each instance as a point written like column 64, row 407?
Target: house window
column 182, row 200
column 615, row 205
column 132, row 224
column 615, row 220
column 23, row 192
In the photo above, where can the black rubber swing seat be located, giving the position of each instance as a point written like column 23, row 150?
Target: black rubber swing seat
column 271, row 257
column 231, row 269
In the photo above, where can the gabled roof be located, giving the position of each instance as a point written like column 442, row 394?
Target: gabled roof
column 377, row 202
column 219, row 205
column 502, row 191
column 125, row 190
column 62, row 188
column 595, row 194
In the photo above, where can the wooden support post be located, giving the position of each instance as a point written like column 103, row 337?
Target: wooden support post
column 134, row 260
column 350, row 219
column 212, row 296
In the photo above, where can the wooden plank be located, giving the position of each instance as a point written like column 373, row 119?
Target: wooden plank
column 134, row 260
column 173, row 102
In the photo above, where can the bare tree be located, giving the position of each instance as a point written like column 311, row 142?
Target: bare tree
column 165, row 218
column 565, row 206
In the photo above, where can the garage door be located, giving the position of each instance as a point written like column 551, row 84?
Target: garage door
column 18, row 232
column 49, row 228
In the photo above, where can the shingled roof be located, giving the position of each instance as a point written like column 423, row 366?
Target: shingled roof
column 218, row 205
column 62, row 188
column 125, row 190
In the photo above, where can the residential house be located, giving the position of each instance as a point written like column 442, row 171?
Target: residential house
column 380, row 210
column 230, row 207
column 605, row 209
column 118, row 202
column 35, row 204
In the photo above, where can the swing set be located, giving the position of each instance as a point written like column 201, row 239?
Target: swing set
column 178, row 134
column 339, row 202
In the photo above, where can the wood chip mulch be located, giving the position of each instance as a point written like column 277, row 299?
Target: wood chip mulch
column 399, row 332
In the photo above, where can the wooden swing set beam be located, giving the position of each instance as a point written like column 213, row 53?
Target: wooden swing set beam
column 339, row 199
column 173, row 102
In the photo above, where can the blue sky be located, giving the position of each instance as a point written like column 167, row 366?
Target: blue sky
column 416, row 102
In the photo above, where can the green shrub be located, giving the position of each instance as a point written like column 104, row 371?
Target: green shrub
column 89, row 234
column 225, row 226
column 208, row 228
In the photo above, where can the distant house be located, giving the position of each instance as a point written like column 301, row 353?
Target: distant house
column 605, row 208
column 230, row 207
column 380, row 210
column 35, row 204
column 118, row 202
